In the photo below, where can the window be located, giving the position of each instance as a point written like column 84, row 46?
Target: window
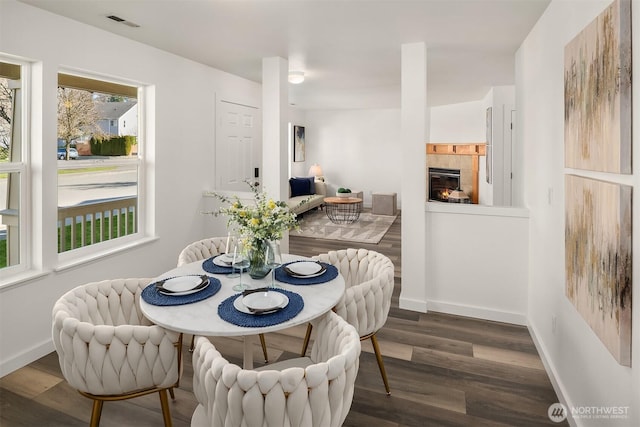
column 13, row 168
column 98, row 176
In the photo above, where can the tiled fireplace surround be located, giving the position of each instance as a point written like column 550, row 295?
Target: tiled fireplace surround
column 456, row 156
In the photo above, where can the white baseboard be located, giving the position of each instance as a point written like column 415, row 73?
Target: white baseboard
column 551, row 372
column 26, row 357
column 478, row 312
column 413, row 305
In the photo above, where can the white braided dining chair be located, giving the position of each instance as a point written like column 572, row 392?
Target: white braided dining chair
column 109, row 351
column 204, row 249
column 307, row 392
column 369, row 281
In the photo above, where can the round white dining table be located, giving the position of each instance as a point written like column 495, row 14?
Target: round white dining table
column 201, row 318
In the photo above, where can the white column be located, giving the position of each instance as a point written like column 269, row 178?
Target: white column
column 275, row 99
column 414, row 135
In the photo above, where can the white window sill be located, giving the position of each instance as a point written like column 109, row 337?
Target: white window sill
column 19, row 278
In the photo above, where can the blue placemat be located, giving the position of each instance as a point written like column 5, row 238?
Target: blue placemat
column 212, row 268
column 329, row 275
column 209, row 266
column 151, row 295
column 228, row 312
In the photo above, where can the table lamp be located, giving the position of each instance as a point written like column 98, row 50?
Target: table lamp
column 316, row 170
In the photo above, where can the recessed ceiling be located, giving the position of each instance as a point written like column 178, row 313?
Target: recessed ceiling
column 349, row 50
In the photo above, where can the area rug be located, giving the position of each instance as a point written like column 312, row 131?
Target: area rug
column 368, row 229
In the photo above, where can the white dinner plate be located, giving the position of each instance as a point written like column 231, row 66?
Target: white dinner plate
column 308, row 276
column 223, row 260
column 239, row 304
column 305, row 268
column 263, row 300
column 183, row 285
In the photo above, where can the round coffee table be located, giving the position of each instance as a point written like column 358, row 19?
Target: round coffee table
column 343, row 210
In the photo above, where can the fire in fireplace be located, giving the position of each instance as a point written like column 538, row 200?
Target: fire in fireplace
column 442, row 182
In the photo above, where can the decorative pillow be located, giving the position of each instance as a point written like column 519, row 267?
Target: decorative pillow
column 300, row 187
column 312, row 184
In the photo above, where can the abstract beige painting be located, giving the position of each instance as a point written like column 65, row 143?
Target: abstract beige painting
column 598, row 259
column 597, row 93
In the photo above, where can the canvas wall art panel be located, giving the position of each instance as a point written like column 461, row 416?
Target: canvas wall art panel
column 298, row 144
column 598, row 259
column 597, row 93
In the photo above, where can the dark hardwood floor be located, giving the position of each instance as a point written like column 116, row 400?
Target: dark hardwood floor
column 443, row 370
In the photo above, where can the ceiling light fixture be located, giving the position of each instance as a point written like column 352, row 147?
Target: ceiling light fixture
column 296, row 77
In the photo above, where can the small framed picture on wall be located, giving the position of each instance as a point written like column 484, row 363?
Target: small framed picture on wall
column 298, row 143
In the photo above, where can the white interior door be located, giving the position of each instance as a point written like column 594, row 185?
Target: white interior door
column 238, row 145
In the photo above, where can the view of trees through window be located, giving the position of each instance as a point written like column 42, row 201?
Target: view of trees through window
column 97, row 163
column 6, row 113
column 12, row 169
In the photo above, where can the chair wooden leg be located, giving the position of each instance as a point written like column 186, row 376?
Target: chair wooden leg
column 95, row 413
column 307, row 337
column 172, row 394
column 376, row 349
column 164, row 402
column 193, row 343
column 264, row 348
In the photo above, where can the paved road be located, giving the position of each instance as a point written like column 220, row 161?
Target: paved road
column 79, row 187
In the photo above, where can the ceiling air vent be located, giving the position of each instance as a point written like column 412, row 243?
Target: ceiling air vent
column 123, row 21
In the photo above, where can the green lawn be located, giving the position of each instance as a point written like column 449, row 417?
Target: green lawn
column 128, row 217
column 109, row 223
column 3, row 253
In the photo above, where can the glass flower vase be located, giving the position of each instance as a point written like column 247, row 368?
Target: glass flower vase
column 257, row 263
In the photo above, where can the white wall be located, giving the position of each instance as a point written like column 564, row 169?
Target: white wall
column 462, row 122
column 477, row 261
column 582, row 369
column 181, row 157
column 358, row 149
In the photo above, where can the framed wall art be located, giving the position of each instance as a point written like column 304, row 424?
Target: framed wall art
column 597, row 87
column 598, row 259
column 298, row 143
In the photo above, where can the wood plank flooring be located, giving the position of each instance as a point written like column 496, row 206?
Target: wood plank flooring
column 443, row 370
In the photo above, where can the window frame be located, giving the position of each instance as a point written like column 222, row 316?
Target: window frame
column 143, row 231
column 9, row 274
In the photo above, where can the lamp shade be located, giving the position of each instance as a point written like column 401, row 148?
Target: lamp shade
column 315, row 170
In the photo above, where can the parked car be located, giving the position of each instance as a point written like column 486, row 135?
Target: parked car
column 62, row 153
